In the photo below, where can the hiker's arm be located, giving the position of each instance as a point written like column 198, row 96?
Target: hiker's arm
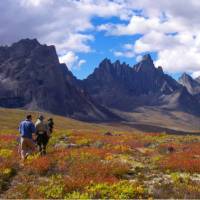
column 48, row 130
column 33, row 130
column 20, row 128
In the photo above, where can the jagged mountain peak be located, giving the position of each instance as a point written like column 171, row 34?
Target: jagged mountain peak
column 146, row 57
column 197, row 79
column 160, row 70
column 145, row 65
column 185, row 76
column 105, row 61
column 26, row 43
column 192, row 85
column 117, row 63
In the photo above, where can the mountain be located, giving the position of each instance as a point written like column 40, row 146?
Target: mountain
column 119, row 86
column 31, row 77
column 197, row 79
column 192, row 85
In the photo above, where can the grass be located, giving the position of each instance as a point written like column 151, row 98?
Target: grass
column 83, row 162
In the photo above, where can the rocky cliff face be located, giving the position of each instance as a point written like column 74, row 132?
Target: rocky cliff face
column 123, row 87
column 197, row 79
column 31, row 77
column 192, row 85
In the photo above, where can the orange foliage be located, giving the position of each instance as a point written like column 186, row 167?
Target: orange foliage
column 186, row 160
column 40, row 165
column 8, row 138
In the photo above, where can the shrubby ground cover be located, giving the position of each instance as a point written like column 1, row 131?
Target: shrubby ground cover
column 87, row 163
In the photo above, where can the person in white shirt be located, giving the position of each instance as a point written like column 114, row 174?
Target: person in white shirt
column 42, row 134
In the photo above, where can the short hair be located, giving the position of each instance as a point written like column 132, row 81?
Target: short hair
column 29, row 117
column 41, row 117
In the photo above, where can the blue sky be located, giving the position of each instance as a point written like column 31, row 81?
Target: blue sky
column 86, row 31
column 103, row 47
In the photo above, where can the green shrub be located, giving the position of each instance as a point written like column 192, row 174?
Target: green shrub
column 180, row 178
column 54, row 189
column 77, row 195
column 5, row 153
column 83, row 142
column 120, row 190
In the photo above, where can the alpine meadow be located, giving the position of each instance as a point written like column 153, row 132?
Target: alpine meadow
column 99, row 99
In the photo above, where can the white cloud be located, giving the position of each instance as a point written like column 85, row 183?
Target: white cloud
column 68, row 25
column 196, row 74
column 81, row 62
column 155, row 41
column 63, row 23
column 127, row 51
column 170, row 28
column 138, row 58
column 71, row 60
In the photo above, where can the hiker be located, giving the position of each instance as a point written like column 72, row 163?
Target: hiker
column 50, row 124
column 42, row 134
column 27, row 137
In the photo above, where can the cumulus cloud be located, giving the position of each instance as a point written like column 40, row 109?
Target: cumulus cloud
column 138, row 58
column 71, row 60
column 64, row 23
column 169, row 28
column 81, row 62
column 196, row 74
column 127, row 51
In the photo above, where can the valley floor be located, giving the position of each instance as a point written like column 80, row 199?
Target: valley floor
column 99, row 161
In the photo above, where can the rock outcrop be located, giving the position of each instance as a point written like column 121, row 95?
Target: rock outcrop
column 192, row 85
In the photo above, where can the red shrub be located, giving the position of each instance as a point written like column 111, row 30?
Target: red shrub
column 40, row 165
column 8, row 138
column 187, row 159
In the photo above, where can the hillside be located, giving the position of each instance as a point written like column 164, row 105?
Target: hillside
column 116, row 162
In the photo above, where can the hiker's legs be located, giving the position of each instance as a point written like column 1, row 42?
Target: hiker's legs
column 44, row 140
column 44, row 149
column 23, row 148
column 27, row 147
column 31, row 147
column 39, row 143
column 39, row 147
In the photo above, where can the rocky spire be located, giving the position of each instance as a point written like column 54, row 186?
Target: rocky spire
column 145, row 65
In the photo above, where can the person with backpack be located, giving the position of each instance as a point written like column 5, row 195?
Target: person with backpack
column 50, row 124
column 42, row 134
column 27, row 137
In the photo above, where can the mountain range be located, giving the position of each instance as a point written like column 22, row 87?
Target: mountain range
column 31, row 77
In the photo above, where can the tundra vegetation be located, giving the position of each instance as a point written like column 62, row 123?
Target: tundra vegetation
column 92, row 161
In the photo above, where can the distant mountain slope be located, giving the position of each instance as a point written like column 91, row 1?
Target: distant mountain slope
column 192, row 85
column 31, row 77
column 125, row 88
